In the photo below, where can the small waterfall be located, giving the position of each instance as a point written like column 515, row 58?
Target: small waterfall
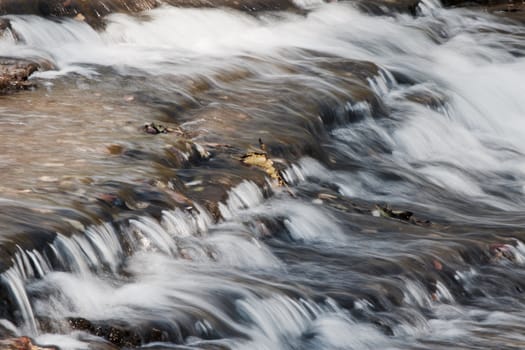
column 27, row 265
column 246, row 195
column 383, row 83
column 100, row 247
column 399, row 139
column 15, row 282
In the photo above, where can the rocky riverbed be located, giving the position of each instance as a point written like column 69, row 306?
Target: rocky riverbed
column 15, row 72
column 261, row 174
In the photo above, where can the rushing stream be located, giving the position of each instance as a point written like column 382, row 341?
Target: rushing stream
column 114, row 237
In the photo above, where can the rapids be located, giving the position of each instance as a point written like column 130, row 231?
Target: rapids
column 113, row 238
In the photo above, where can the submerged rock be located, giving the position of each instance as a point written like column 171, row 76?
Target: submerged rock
column 401, row 215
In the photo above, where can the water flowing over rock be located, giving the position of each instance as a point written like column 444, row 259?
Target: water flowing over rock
column 94, row 11
column 262, row 175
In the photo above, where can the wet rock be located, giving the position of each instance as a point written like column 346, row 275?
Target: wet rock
column 125, row 335
column 478, row 2
column 511, row 9
column 243, row 5
column 514, row 9
column 384, row 7
column 112, row 200
column 6, row 30
column 118, row 335
column 21, row 343
column 402, row 215
column 184, row 153
column 393, row 214
column 154, row 129
column 14, row 74
column 93, row 12
column 4, row 24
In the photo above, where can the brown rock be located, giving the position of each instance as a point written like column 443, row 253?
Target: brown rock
column 21, row 343
column 14, row 74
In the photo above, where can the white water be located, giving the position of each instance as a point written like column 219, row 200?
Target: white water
column 465, row 147
column 188, row 268
column 180, row 259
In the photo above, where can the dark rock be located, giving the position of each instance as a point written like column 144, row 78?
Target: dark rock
column 477, row 2
column 385, row 7
column 153, row 128
column 5, row 24
column 394, row 214
column 91, row 11
column 6, row 30
column 122, row 334
column 513, row 9
column 117, row 335
column 242, row 5
column 94, row 11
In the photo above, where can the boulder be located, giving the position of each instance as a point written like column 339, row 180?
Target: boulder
column 14, row 74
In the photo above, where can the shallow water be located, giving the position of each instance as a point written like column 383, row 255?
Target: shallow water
column 168, row 241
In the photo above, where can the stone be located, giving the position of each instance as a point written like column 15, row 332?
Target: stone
column 21, row 343
column 14, row 74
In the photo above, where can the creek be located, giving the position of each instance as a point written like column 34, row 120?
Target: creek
column 115, row 237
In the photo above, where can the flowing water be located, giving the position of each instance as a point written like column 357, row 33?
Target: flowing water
column 112, row 235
